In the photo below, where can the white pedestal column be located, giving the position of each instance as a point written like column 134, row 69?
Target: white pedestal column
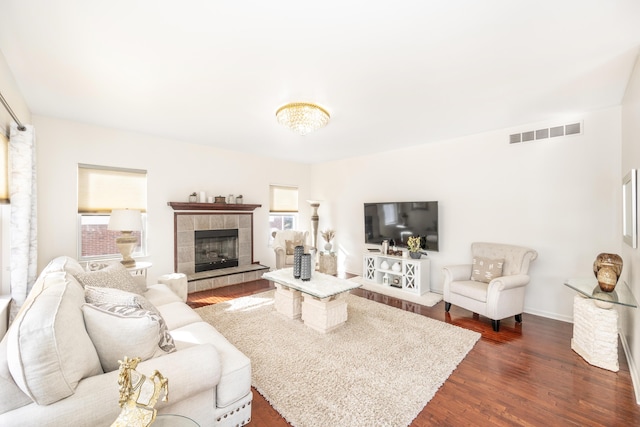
column 326, row 314
column 595, row 334
column 288, row 301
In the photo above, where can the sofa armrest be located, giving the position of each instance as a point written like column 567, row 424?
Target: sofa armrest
column 95, row 402
column 177, row 282
column 508, row 282
column 453, row 273
column 281, row 255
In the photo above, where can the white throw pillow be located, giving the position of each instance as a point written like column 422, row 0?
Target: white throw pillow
column 118, row 331
column 48, row 348
column 113, row 276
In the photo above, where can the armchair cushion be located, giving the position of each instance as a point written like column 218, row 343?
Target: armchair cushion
column 486, row 269
column 291, row 244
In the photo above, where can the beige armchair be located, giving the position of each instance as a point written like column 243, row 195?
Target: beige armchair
column 284, row 257
column 494, row 285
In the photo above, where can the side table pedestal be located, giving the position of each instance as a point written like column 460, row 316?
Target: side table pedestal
column 595, row 333
column 328, row 263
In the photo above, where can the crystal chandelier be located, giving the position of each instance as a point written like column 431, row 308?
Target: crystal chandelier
column 302, row 117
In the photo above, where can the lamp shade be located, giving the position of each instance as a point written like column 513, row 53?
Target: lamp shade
column 125, row 220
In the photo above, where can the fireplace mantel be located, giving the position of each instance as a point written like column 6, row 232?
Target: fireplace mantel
column 186, row 206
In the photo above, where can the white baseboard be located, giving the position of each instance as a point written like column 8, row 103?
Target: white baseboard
column 549, row 315
column 633, row 369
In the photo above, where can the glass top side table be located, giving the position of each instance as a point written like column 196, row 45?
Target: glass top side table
column 588, row 287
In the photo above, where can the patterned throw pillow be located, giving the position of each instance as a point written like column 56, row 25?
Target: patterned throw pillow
column 486, row 269
column 291, row 244
column 99, row 295
column 113, row 276
column 119, row 330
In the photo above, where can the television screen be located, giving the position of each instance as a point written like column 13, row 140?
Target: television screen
column 397, row 221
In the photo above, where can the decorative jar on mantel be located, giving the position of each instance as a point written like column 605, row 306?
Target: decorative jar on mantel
column 607, row 269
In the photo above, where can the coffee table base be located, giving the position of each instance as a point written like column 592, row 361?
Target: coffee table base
column 288, row 301
column 323, row 315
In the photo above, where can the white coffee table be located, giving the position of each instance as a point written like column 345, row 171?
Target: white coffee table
column 319, row 302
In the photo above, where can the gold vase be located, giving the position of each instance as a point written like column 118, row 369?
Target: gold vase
column 607, row 269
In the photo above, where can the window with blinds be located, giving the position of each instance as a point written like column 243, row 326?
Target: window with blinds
column 283, row 199
column 283, row 209
column 100, row 190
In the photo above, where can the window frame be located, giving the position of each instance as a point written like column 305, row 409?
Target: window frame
column 98, row 207
column 106, row 257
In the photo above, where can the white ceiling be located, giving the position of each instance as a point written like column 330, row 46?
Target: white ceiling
column 391, row 74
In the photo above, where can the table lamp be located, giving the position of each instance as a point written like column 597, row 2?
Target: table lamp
column 126, row 221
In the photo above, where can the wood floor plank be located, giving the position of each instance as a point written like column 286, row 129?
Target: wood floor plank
column 524, row 375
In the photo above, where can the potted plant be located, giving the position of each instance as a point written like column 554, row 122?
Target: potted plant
column 328, row 235
column 414, row 243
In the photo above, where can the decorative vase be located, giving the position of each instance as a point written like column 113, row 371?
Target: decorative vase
column 298, row 251
column 305, row 272
column 327, row 246
column 415, row 255
column 607, row 269
column 193, row 198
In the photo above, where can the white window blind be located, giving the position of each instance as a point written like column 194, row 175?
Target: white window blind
column 102, row 189
column 4, row 169
column 283, row 198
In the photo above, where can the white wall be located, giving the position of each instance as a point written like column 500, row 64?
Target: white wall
column 174, row 170
column 559, row 196
column 630, row 318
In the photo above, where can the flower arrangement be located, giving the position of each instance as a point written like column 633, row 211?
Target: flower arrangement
column 413, row 243
column 328, row 235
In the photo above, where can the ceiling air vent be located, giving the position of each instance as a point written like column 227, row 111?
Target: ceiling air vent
column 545, row 133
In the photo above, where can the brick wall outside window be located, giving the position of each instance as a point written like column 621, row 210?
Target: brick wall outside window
column 97, row 240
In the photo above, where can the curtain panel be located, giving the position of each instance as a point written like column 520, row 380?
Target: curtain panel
column 24, row 221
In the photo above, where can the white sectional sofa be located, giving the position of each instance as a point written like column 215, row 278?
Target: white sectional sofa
column 53, row 357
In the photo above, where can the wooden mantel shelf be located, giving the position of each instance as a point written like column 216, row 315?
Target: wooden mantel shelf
column 187, row 206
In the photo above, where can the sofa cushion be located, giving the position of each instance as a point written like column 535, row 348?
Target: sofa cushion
column 12, row 396
column 48, row 348
column 486, row 269
column 160, row 294
column 178, row 314
column 119, row 330
column 63, row 263
column 235, row 379
column 113, row 276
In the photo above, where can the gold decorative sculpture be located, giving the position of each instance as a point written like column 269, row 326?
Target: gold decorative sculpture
column 139, row 394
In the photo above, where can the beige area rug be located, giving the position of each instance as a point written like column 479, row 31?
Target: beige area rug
column 378, row 369
column 428, row 299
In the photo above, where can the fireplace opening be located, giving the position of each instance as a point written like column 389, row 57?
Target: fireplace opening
column 216, row 249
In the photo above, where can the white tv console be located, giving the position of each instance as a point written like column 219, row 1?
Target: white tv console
column 413, row 275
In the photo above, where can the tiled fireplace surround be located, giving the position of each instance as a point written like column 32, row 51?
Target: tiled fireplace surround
column 185, row 226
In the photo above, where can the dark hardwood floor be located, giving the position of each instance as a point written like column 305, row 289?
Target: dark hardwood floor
column 524, row 375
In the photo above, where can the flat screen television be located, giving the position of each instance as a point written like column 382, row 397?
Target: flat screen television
column 397, row 221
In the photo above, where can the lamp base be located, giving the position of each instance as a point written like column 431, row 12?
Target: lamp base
column 126, row 243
